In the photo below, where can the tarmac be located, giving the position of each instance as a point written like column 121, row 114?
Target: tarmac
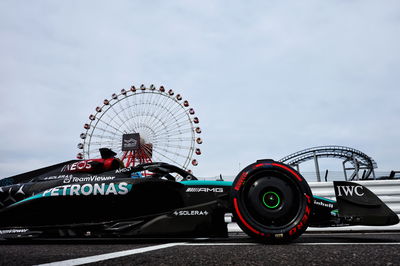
column 364, row 248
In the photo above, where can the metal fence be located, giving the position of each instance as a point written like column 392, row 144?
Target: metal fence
column 310, row 176
column 335, row 175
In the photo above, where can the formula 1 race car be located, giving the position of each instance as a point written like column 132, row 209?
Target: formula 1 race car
column 97, row 198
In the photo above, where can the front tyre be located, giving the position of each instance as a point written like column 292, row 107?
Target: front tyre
column 271, row 202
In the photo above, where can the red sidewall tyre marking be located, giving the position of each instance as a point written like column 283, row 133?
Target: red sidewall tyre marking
column 243, row 220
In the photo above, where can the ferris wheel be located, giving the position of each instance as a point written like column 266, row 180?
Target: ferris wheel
column 144, row 125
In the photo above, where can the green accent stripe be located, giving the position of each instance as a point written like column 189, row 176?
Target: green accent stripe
column 30, row 198
column 206, row 183
column 321, row 198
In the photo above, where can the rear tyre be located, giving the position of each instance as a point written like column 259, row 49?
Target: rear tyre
column 271, row 202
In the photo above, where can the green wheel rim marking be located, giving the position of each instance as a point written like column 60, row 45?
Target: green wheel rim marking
column 269, row 206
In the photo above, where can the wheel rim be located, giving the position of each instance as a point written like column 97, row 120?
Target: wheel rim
column 272, row 200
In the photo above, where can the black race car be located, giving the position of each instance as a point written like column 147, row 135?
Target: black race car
column 97, row 198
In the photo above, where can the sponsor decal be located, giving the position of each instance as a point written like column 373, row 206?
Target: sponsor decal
column 303, row 221
column 89, row 189
column 241, row 180
column 323, row 204
column 191, row 213
column 77, row 166
column 350, row 191
column 11, row 194
column 94, row 178
column 136, row 175
column 53, row 177
column 13, row 231
column 84, row 189
column 205, row 189
column 307, row 197
column 130, row 142
column 123, row 170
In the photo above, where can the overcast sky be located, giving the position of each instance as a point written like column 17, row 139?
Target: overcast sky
column 267, row 78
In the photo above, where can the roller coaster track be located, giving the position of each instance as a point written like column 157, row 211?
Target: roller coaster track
column 357, row 159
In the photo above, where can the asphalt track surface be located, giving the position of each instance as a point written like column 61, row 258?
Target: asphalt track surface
column 238, row 249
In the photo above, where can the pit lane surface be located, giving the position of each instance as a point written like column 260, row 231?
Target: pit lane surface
column 309, row 249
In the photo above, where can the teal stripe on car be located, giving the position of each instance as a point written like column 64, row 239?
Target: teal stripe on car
column 321, row 198
column 206, row 183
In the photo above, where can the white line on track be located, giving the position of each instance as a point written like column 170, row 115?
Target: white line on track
column 221, row 244
column 124, row 253
column 351, row 233
column 294, row 244
column 112, row 255
column 347, row 244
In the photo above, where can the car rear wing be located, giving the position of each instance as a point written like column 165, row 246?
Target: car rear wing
column 357, row 205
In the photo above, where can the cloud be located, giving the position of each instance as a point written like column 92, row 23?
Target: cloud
column 266, row 78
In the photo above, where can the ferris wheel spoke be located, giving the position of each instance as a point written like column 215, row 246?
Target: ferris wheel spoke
column 100, row 142
column 148, row 117
column 158, row 103
column 169, row 159
column 109, row 120
column 178, row 110
column 130, row 117
column 157, row 124
column 163, row 109
column 172, row 114
column 173, row 120
column 109, row 124
column 172, row 140
column 124, row 111
column 180, row 131
column 172, row 124
column 108, row 130
column 171, row 152
column 147, row 151
column 114, row 143
column 132, row 121
column 152, row 119
column 116, row 114
column 180, row 147
column 157, row 113
column 121, row 113
column 153, row 110
column 128, row 127
column 111, row 138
